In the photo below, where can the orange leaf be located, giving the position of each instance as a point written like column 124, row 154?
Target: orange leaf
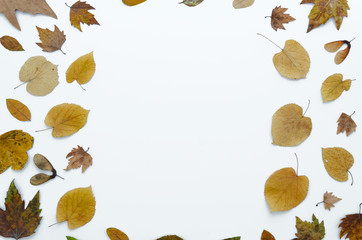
column 267, row 235
column 351, row 226
column 79, row 14
column 18, row 110
column 11, row 43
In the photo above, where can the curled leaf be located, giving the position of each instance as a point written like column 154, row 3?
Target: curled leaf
column 334, row 86
column 337, row 162
column 82, row 69
column 18, row 110
column 116, row 234
column 79, row 14
column 242, row 3
column 11, row 43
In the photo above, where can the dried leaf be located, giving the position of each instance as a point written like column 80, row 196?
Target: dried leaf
column 82, row 69
column 8, row 7
column 170, row 237
column 40, row 74
column 267, row 235
column 116, row 234
column 289, row 126
column 323, row 10
column 79, row 14
column 18, row 110
column 329, row 200
column 351, row 226
column 79, row 157
column 42, row 163
column 66, row 119
column 77, row 207
column 51, row 40
column 346, row 124
column 242, row 3
column 191, row 3
column 334, row 86
column 13, row 149
column 11, row 43
column 279, row 17
column 15, row 221
column 133, row 2
column 309, row 230
column 334, row 46
column 337, row 162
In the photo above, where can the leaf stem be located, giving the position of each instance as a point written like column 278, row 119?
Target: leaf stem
column 67, row 5
column 351, row 176
column 352, row 39
column 267, row 17
column 360, row 209
column 307, row 107
column 43, row 129
column 270, row 41
column 319, row 203
column 296, row 156
column 59, row 176
column 62, row 51
column 20, row 85
column 352, row 114
column 53, row 224
column 81, row 86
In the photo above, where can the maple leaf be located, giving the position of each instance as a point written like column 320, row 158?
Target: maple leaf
column 79, row 157
column 8, row 7
column 79, row 14
column 15, row 221
column 51, row 40
column 309, row 230
column 279, row 17
column 323, row 10
column 329, row 199
column 352, row 226
column 346, row 124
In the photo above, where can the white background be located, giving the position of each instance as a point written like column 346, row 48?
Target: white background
column 180, row 118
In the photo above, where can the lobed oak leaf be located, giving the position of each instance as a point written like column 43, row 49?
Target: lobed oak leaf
column 51, row 40
column 278, row 18
column 242, row 3
column 79, row 14
column 132, row 2
column 11, row 43
column 170, row 237
column 267, row 235
column 18, row 110
column 309, row 230
column 351, row 226
column 346, row 124
column 78, row 157
column 337, row 161
column 333, row 87
column 191, row 3
column 82, row 69
column 116, row 234
column 16, row 221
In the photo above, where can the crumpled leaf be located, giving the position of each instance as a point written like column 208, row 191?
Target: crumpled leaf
column 8, row 7
column 42, row 163
column 78, row 157
column 133, row 2
column 346, row 124
column 82, row 69
column 284, row 189
column 289, row 126
column 18, row 110
column 51, row 40
column 66, row 119
column 40, row 74
column 309, row 230
column 170, row 237
column 79, row 14
column 77, row 206
column 351, row 226
column 337, row 162
column 13, row 149
column 323, row 10
column 278, row 18
column 15, row 221
column 334, row 46
column 267, row 235
column 329, row 200
column 242, row 3
column 11, row 43
column 116, row 234
column 191, row 3
column 334, row 86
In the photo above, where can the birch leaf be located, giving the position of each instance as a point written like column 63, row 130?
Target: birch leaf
column 18, row 110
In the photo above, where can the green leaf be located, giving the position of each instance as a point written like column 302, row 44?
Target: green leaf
column 309, row 230
column 71, row 238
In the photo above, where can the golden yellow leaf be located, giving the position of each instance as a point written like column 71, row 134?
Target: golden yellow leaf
column 115, row 234
column 82, row 69
column 334, row 86
column 293, row 61
column 77, row 207
column 285, row 190
column 66, row 119
column 18, row 110
column 11, row 43
column 132, row 2
column 242, row 3
column 13, row 149
column 289, row 126
column 40, row 74
column 337, row 162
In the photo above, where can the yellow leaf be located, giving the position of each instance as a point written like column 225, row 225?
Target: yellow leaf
column 18, row 110
column 133, row 2
column 337, row 162
column 77, row 207
column 13, row 149
column 40, row 74
column 82, row 69
column 289, row 126
column 293, row 61
column 66, row 119
column 11, row 43
column 334, row 86
column 285, row 190
column 115, row 234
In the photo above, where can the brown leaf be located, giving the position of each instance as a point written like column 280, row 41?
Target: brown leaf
column 51, row 40
column 267, row 235
column 11, row 43
column 346, row 124
column 170, row 237
column 79, row 157
column 329, row 200
column 79, row 14
column 18, row 110
column 8, row 7
column 334, row 46
column 352, row 226
column 278, row 17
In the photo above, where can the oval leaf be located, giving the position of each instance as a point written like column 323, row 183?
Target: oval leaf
column 39, row 178
column 334, row 86
column 42, row 162
column 337, row 162
column 11, row 43
column 82, row 69
column 242, row 3
column 132, row 2
column 115, row 234
column 18, row 110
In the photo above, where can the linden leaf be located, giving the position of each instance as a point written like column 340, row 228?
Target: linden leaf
column 133, row 2
column 351, row 226
column 170, row 237
column 309, row 230
column 66, row 119
column 15, row 221
column 78, row 157
column 334, row 46
column 337, row 162
column 329, row 200
column 79, row 14
column 346, row 124
column 82, row 69
column 51, row 40
column 334, row 86
column 116, row 234
column 191, row 3
column 11, row 43
column 267, row 235
column 18, row 110
column 13, row 149
column 77, row 207
column 242, row 3
column 8, row 7
column 40, row 74
column 279, row 17
column 289, row 126
column 323, row 10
